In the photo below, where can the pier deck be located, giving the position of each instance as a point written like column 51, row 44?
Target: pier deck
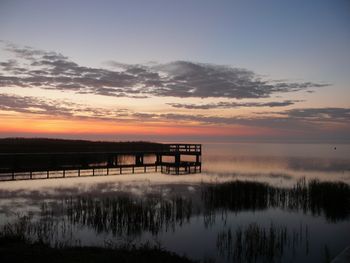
column 173, row 159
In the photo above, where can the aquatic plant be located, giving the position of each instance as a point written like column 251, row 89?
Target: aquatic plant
column 255, row 243
column 331, row 199
column 123, row 215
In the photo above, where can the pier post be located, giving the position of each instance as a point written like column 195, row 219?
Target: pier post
column 158, row 159
column 139, row 159
column 177, row 163
column 110, row 160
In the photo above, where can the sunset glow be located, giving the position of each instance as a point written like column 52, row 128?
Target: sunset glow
column 189, row 131
column 205, row 88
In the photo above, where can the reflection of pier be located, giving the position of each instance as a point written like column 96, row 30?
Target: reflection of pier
column 173, row 159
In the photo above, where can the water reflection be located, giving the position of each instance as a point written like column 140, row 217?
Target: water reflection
column 319, row 161
column 127, row 215
column 278, row 162
column 124, row 217
column 255, row 243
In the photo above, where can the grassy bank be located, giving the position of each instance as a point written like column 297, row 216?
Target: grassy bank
column 17, row 249
column 40, row 145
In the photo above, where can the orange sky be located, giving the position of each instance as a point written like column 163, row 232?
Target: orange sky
column 34, row 124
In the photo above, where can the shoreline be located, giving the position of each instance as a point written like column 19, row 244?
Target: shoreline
column 46, row 145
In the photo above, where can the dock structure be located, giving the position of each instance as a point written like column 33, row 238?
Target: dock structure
column 172, row 159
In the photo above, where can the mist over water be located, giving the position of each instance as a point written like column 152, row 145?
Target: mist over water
column 251, row 203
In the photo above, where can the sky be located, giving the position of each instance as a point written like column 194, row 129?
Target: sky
column 186, row 70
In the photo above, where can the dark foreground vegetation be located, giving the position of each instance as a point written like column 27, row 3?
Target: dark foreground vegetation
column 50, row 234
column 45, row 145
column 15, row 248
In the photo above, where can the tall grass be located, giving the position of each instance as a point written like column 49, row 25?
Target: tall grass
column 126, row 217
column 255, row 243
column 123, row 215
column 330, row 199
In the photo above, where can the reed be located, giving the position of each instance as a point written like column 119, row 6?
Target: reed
column 330, row 199
column 126, row 216
column 255, row 243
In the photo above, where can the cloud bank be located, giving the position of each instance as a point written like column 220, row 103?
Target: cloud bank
column 231, row 105
column 59, row 108
column 309, row 118
column 182, row 79
column 32, row 68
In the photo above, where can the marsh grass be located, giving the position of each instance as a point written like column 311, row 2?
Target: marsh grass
column 125, row 218
column 254, row 243
column 330, row 199
column 27, row 241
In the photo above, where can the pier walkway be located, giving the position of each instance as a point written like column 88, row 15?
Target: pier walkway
column 173, row 159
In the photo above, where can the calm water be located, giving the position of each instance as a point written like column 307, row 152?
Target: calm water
column 251, row 203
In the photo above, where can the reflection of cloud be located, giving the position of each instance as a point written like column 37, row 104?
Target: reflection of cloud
column 285, row 163
column 100, row 189
column 254, row 176
column 50, row 70
column 228, row 105
column 318, row 164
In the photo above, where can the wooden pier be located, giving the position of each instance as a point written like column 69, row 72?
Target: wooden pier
column 173, row 159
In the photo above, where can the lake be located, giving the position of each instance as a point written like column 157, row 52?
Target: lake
column 251, row 203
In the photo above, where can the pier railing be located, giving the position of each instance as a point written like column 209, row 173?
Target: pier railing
column 195, row 148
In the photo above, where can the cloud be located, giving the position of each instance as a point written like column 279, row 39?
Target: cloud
column 31, row 105
column 307, row 115
column 294, row 119
column 230, row 105
column 321, row 114
column 310, row 124
column 182, row 79
column 47, row 107
column 188, row 79
column 338, row 121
